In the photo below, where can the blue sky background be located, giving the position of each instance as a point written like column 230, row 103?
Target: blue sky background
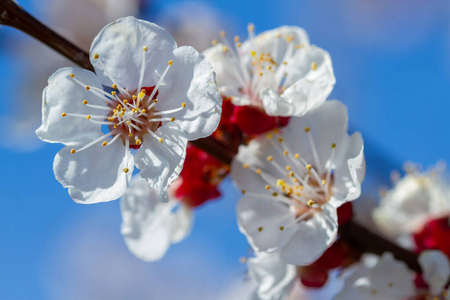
column 392, row 64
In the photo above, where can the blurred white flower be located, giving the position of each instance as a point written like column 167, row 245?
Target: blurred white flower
column 277, row 70
column 293, row 182
column 436, row 270
column 414, row 198
column 130, row 56
column 150, row 226
column 377, row 278
column 273, row 276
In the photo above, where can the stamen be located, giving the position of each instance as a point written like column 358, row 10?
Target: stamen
column 155, row 89
column 94, row 142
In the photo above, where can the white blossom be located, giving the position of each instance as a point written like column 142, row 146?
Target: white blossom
column 293, row 181
column 436, row 270
column 146, row 94
column 150, row 226
column 277, row 70
column 273, row 276
column 377, row 279
column 415, row 198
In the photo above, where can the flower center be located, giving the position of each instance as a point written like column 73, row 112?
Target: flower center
column 303, row 187
column 130, row 116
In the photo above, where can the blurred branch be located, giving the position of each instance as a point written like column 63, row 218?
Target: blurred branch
column 364, row 240
column 11, row 14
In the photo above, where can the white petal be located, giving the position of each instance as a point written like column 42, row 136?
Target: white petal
column 63, row 94
column 161, row 163
column 220, row 61
column 267, row 41
column 312, row 238
column 120, row 47
column 95, row 174
column 273, row 275
column 149, row 226
column 436, row 270
column 191, row 80
column 182, row 223
column 349, row 169
column 307, row 93
column 260, row 220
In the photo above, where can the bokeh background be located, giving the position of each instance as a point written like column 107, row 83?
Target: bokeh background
column 392, row 64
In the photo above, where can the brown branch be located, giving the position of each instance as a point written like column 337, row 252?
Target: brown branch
column 365, row 240
column 13, row 15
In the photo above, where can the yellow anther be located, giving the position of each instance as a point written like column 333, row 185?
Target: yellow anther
column 297, row 156
column 374, row 291
column 295, row 180
column 134, row 97
column 258, row 171
column 269, row 136
column 104, row 143
column 161, row 140
column 243, row 191
column 253, row 53
column 130, row 134
column 142, row 94
column 63, row 114
column 145, row 49
column 269, row 68
column 73, row 151
column 128, row 122
column 96, row 56
column 85, row 102
column 236, row 38
column 115, row 111
column 225, row 48
column 288, row 168
column 314, row 66
column 113, row 93
column 114, row 86
column 238, row 45
column 143, row 111
column 285, row 152
column 333, row 145
column 72, row 75
column 115, row 126
column 281, row 182
column 183, row 104
column 290, row 38
column 170, row 62
column 172, row 119
column 291, row 174
column 125, row 101
column 260, row 73
column 260, row 229
column 88, row 117
column 251, row 27
column 280, row 139
column 324, row 182
column 269, row 158
column 214, row 42
column 310, row 202
column 119, row 106
column 155, row 100
column 125, row 170
column 297, row 46
column 275, row 194
column 245, row 166
column 222, row 33
column 307, row 129
column 110, row 119
column 309, row 167
column 267, row 187
column 301, row 187
column 281, row 228
column 88, row 87
column 285, row 63
column 138, row 142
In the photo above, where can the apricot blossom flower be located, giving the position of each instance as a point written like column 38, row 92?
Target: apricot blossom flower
column 146, row 94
